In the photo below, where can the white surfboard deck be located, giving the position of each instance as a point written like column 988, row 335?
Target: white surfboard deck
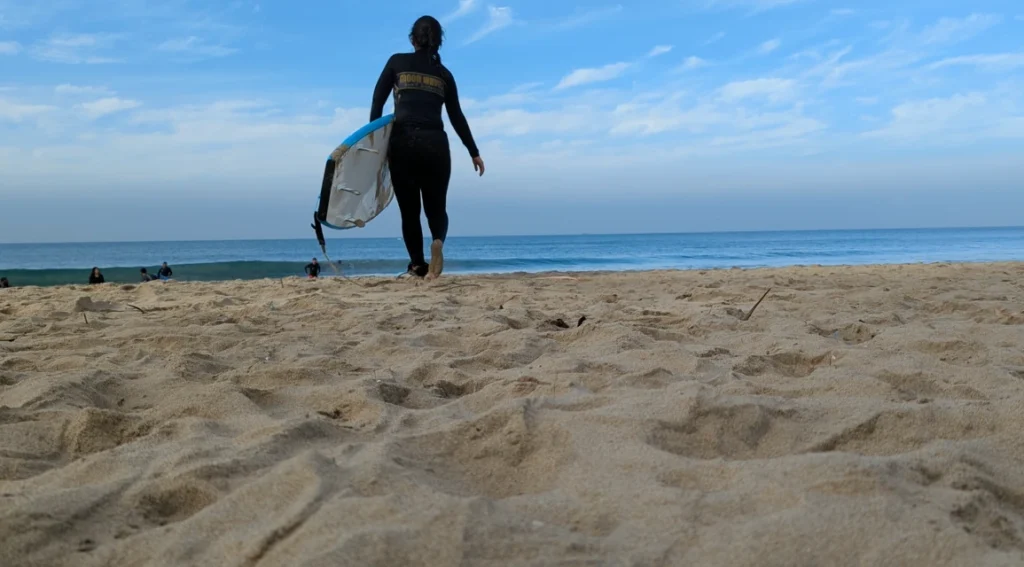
column 357, row 182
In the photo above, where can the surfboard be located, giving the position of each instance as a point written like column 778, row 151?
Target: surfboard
column 356, row 185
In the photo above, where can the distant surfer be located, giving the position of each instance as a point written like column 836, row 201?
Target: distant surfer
column 419, row 156
column 146, row 277
column 4, row 283
column 164, row 272
column 313, row 269
column 95, row 276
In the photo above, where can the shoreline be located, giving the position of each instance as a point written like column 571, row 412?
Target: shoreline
column 327, row 273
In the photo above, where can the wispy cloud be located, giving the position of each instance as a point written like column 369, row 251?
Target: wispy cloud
column 195, row 47
column 772, row 89
column 693, row 62
column 842, row 12
column 587, row 76
column 755, row 6
column 109, row 105
column 17, row 112
column 952, row 30
column 498, row 17
column 659, row 50
column 72, row 90
column 466, row 7
column 715, row 38
column 75, row 49
column 587, row 17
column 769, row 46
column 991, row 62
column 9, row 48
column 912, row 121
column 608, row 72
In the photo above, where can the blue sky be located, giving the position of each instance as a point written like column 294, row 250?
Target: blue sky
column 130, row 119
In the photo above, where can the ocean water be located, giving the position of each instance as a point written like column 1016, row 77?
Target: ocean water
column 56, row 264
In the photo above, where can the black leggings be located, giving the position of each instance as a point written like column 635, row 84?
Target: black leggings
column 421, row 164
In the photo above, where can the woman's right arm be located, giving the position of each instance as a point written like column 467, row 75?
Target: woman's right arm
column 385, row 84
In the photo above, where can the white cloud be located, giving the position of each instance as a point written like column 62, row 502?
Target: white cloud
column 755, row 6
column 715, row 38
column 693, row 62
column 75, row 49
column 195, row 46
column 769, row 46
column 951, row 30
column 659, row 50
column 109, row 105
column 17, row 112
column 835, row 72
column 9, row 48
column 466, row 7
column 68, row 89
column 582, row 18
column 989, row 62
column 592, row 75
column 772, row 89
column 498, row 17
column 912, row 121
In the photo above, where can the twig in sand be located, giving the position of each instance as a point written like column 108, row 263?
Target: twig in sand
column 86, row 317
column 751, row 312
column 139, row 309
column 10, row 340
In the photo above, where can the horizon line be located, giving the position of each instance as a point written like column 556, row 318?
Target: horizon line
column 549, row 235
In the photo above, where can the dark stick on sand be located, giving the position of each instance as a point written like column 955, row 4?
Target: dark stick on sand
column 86, row 317
column 751, row 312
column 139, row 309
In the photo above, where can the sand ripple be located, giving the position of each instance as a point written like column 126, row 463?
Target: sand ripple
column 862, row 416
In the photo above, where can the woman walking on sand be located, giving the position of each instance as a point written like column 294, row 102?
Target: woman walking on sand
column 418, row 154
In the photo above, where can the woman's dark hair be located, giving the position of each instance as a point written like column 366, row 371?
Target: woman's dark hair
column 427, row 35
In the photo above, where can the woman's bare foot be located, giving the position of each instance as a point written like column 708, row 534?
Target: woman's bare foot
column 436, row 260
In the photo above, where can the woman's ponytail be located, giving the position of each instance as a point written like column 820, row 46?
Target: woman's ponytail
column 427, row 36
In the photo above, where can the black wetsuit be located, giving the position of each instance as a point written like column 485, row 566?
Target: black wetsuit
column 312, row 270
column 4, row 283
column 164, row 272
column 419, row 156
column 94, row 279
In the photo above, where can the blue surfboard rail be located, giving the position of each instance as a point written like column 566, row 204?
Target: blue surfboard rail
column 361, row 133
column 352, row 140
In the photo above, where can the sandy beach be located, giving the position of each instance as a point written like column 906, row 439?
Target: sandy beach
column 860, row 416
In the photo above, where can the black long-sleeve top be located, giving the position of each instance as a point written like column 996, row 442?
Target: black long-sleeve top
column 421, row 87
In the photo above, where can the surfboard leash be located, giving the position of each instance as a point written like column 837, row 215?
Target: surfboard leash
column 318, row 228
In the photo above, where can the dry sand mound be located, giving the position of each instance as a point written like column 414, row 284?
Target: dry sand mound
column 861, row 416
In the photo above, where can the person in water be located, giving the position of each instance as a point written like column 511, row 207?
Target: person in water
column 313, row 269
column 96, row 277
column 145, row 275
column 164, row 272
column 4, row 283
column 419, row 156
